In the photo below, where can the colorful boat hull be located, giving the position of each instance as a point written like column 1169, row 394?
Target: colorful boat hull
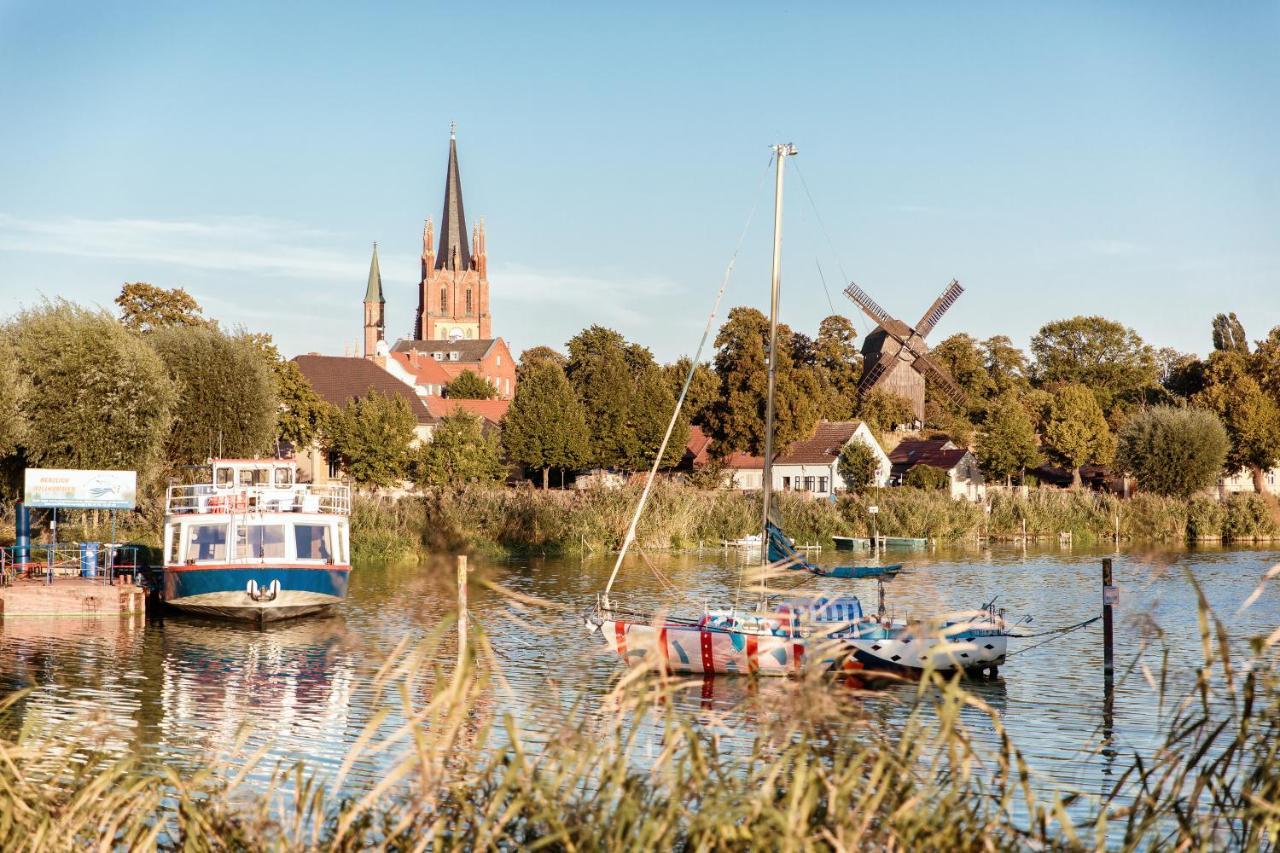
column 688, row 649
column 255, row 593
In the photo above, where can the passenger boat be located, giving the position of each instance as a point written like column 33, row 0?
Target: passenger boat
column 254, row 544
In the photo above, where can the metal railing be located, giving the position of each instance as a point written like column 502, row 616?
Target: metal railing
column 204, row 498
column 97, row 562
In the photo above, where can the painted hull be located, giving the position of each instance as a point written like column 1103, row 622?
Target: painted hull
column 222, row 591
column 901, row 650
column 708, row 651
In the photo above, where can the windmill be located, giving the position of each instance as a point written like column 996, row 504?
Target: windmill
column 895, row 356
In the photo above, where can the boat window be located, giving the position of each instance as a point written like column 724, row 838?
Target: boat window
column 175, row 542
column 313, row 542
column 255, row 477
column 260, row 541
column 284, row 478
column 225, row 477
column 207, row 542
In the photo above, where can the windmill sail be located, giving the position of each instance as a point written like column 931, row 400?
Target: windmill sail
column 938, row 308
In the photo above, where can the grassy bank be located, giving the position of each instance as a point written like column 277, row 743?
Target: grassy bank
column 634, row 771
column 528, row 521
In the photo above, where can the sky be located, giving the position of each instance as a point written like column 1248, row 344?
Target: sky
column 1088, row 158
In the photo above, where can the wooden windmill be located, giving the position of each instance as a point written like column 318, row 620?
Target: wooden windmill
column 895, row 357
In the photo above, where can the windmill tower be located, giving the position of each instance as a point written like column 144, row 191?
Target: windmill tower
column 895, row 357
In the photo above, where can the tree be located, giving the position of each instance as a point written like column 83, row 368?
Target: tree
column 469, row 386
column 372, row 436
column 1007, row 445
column 926, row 477
column 300, row 412
column 1251, row 416
column 145, row 308
column 1098, row 353
column 461, row 451
column 226, row 393
column 839, row 367
column 600, row 375
column 1181, row 374
column 652, row 405
column 737, row 419
column 1228, row 334
column 1006, row 364
column 1266, row 363
column 545, row 427
column 858, row 465
column 1077, row 431
column 703, row 388
column 885, row 411
column 98, row 396
column 10, row 398
column 963, row 358
column 1173, row 451
column 537, row 355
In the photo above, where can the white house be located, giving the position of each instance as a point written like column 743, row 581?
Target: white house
column 959, row 464
column 811, row 465
column 1242, row 481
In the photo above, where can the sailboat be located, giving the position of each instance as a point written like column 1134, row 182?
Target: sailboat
column 788, row 635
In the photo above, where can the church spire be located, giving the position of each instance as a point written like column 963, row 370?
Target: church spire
column 453, row 254
column 373, row 293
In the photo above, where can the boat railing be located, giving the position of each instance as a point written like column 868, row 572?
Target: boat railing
column 99, row 562
column 303, row 497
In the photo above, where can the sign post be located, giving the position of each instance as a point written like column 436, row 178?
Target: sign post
column 66, row 488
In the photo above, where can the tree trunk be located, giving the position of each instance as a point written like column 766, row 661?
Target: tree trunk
column 546, row 474
column 1259, row 484
column 1076, row 480
column 1008, row 482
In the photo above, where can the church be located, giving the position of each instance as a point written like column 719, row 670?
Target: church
column 452, row 326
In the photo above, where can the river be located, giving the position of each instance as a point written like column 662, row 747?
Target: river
column 174, row 688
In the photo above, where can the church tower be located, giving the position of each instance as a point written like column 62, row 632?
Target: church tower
column 453, row 297
column 375, row 309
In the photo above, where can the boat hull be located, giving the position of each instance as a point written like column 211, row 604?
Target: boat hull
column 900, row 651
column 226, row 591
column 707, row 651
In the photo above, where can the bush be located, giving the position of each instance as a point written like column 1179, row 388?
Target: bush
column 1206, row 518
column 1173, row 451
column 1248, row 516
column 926, row 477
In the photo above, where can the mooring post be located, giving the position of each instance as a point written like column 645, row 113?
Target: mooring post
column 1109, row 597
column 462, row 615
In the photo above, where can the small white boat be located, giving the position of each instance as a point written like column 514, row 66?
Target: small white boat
column 751, row 541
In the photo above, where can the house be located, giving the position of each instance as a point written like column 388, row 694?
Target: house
column 430, row 365
column 811, row 465
column 339, row 380
column 1242, row 481
column 742, row 471
column 959, row 464
column 491, row 412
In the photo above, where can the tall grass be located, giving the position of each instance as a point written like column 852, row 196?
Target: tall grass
column 638, row 772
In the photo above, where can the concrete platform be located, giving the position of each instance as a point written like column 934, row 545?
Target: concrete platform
column 70, row 597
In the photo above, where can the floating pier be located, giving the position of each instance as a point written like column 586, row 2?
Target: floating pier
column 70, row 597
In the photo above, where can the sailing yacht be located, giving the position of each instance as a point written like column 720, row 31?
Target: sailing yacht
column 794, row 634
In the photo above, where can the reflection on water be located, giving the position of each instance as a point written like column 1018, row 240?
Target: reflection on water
column 177, row 688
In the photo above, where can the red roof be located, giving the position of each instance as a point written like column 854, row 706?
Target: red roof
column 822, row 447
column 425, row 369
column 341, row 379
column 936, row 453
column 698, row 449
column 491, row 410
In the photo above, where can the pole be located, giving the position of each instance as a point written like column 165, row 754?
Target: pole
column 1108, row 596
column 462, row 619
column 53, row 547
column 780, row 153
column 111, row 552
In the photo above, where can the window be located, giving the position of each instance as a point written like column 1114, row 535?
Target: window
column 455, row 356
column 206, row 542
column 808, row 484
column 313, row 542
column 255, row 477
column 822, row 484
column 468, row 300
column 786, row 484
column 438, row 356
column 175, row 542
column 224, row 478
column 260, row 542
column 335, row 465
column 284, row 478
column 444, row 301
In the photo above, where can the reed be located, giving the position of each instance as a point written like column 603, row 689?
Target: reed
column 637, row 772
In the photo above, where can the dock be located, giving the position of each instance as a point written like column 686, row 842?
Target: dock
column 70, row 597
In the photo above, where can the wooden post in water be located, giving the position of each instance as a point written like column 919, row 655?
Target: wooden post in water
column 1109, row 597
column 462, row 618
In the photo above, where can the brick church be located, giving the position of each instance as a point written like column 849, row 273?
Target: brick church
column 453, row 326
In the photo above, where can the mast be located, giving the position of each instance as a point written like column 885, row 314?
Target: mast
column 780, row 153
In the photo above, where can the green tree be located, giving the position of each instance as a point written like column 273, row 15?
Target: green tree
column 1228, row 334
column 536, row 355
column 964, row 359
column 300, row 412
column 1266, row 363
column 10, row 401
column 926, row 477
column 1101, row 354
column 838, row 364
column 885, row 411
column 460, row 452
column 1181, row 374
column 857, row 466
column 1251, row 416
column 145, row 308
column 601, row 376
column 652, row 405
column 469, row 386
column 98, row 397
column 1006, row 364
column 703, row 389
column 545, row 427
column 1007, row 445
column 1076, row 431
column 1173, row 451
column 372, row 435
column 737, row 420
column 226, row 393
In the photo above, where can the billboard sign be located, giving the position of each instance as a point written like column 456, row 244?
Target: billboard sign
column 75, row 489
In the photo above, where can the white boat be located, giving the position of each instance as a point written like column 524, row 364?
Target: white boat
column 253, row 543
column 793, row 635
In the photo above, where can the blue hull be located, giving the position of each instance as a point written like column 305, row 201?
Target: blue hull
column 222, row 591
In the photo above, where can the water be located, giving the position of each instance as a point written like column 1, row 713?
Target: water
column 178, row 689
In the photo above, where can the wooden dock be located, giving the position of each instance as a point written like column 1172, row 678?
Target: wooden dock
column 70, row 597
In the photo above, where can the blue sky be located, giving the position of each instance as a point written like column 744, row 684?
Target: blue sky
column 1118, row 159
